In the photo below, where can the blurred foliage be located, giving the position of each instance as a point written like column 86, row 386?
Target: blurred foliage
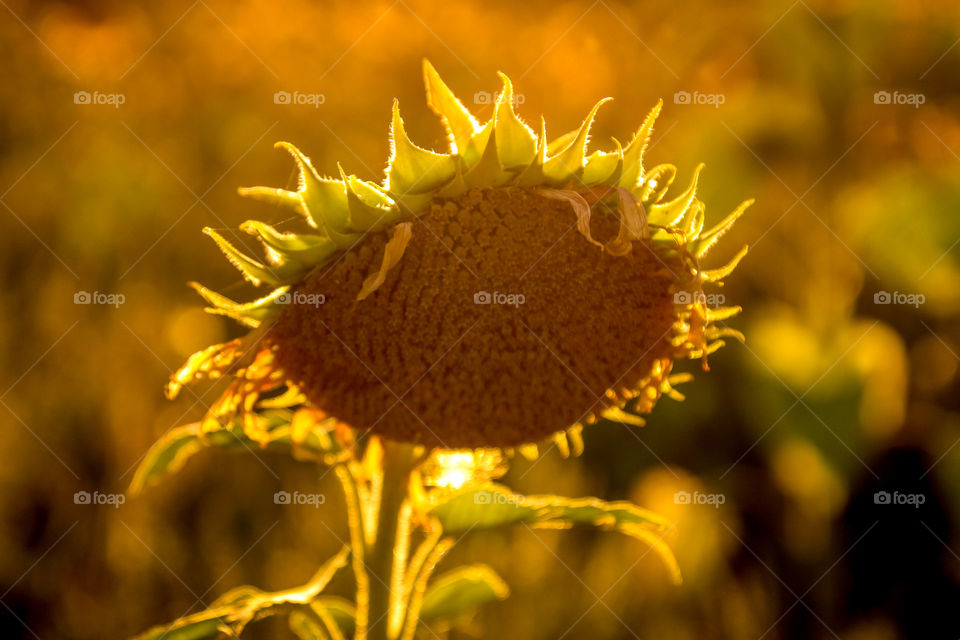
column 832, row 398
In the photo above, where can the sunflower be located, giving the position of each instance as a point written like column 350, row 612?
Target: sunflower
column 507, row 291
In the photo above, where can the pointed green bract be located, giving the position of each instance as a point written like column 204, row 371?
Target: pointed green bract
column 503, row 152
column 460, row 124
column 633, row 154
column 569, row 162
column 280, row 197
column 517, row 144
column 412, row 169
column 669, row 214
column 308, row 249
column 604, row 168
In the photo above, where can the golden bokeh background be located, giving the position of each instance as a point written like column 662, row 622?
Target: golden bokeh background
column 835, row 395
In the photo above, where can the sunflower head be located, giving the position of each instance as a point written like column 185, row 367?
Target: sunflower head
column 511, row 289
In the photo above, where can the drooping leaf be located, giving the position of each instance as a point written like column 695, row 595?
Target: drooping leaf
column 493, row 505
column 171, row 452
column 233, row 611
column 462, row 591
column 329, row 618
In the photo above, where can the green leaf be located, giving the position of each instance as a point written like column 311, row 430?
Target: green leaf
column 307, row 627
column 237, row 608
column 461, row 591
column 171, row 452
column 330, row 617
column 412, row 169
column 494, row 505
column 340, row 610
column 486, row 508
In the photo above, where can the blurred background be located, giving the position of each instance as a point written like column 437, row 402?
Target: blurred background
column 820, row 458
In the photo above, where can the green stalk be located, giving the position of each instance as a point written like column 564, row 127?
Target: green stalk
column 386, row 560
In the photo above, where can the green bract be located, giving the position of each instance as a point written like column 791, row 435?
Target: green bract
column 503, row 152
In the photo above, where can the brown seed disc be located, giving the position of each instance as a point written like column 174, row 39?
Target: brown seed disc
column 447, row 353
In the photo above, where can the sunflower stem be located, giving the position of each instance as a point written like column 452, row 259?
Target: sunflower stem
column 355, row 522
column 386, row 558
